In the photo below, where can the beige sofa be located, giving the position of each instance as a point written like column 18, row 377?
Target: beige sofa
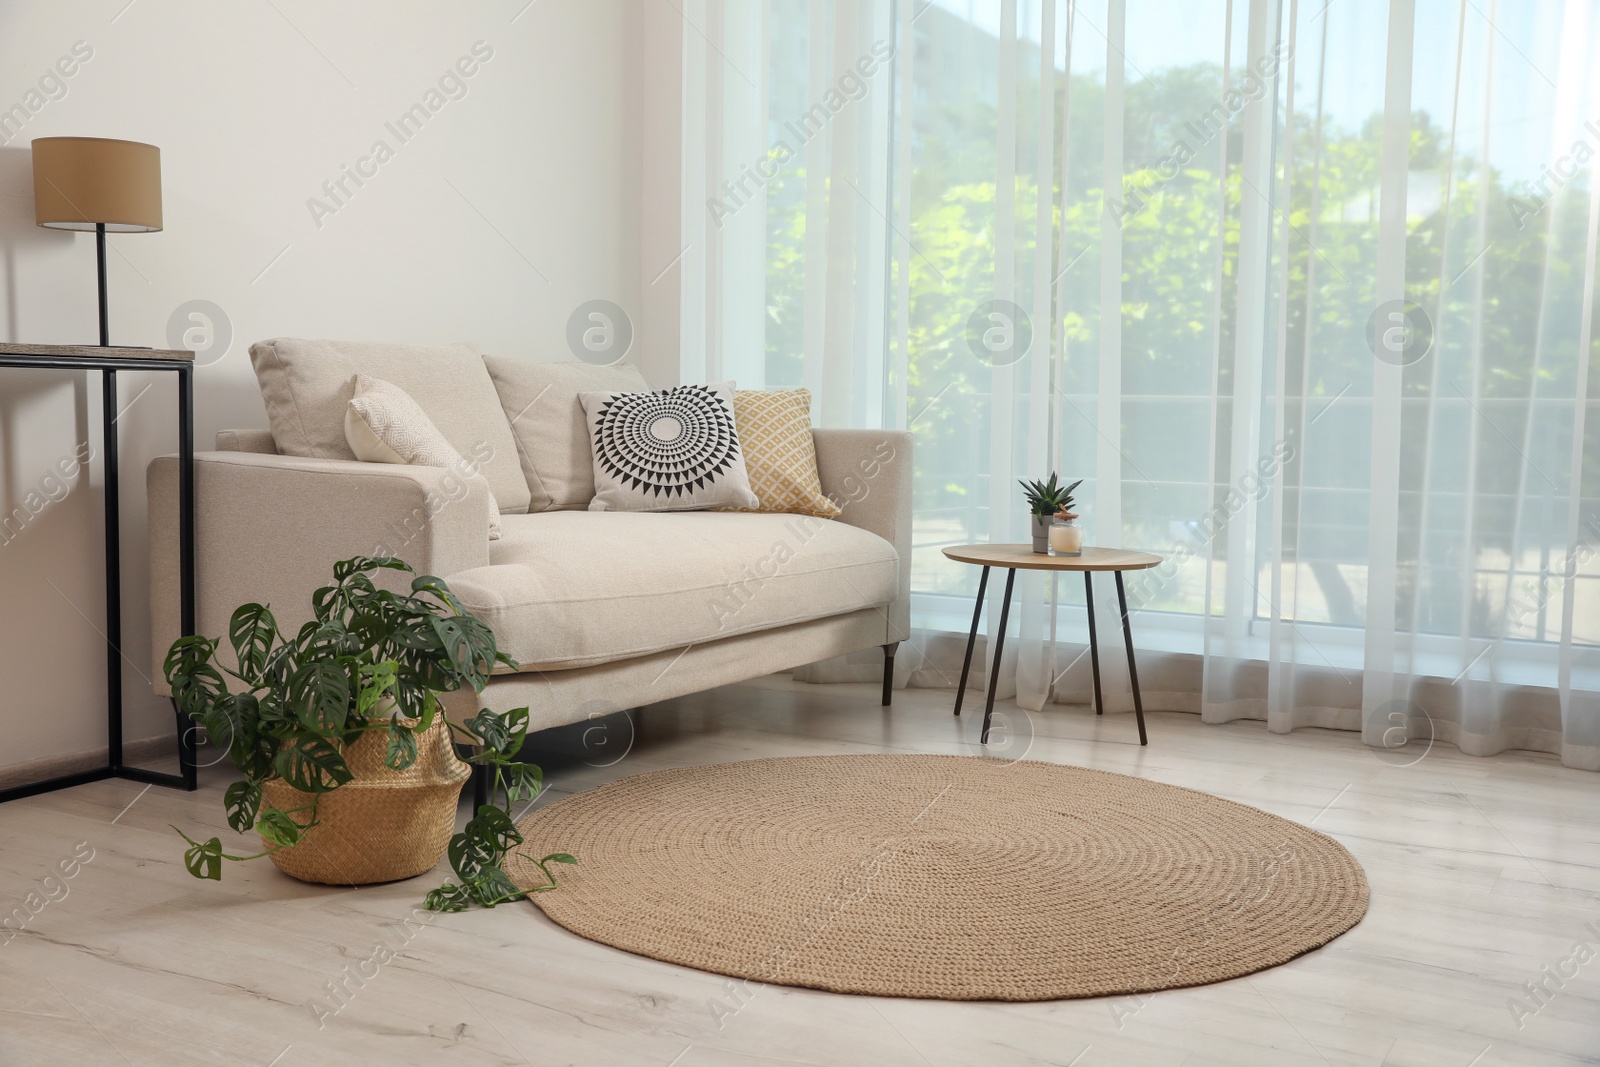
column 600, row 609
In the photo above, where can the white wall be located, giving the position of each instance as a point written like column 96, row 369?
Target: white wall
column 512, row 205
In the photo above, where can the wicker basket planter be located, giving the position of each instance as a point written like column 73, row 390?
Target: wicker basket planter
column 371, row 666
column 383, row 825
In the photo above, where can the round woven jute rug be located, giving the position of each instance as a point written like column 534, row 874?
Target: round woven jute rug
column 956, row 877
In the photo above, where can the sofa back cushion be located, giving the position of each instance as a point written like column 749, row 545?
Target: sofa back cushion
column 540, row 401
column 307, row 386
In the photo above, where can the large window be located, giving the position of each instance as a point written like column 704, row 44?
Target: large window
column 1303, row 292
column 1485, row 442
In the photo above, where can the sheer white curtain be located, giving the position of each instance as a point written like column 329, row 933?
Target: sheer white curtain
column 1303, row 292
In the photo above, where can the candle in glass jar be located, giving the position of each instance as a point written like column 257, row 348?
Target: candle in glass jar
column 1066, row 539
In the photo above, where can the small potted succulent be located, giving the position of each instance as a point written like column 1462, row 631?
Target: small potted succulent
column 350, row 774
column 1046, row 499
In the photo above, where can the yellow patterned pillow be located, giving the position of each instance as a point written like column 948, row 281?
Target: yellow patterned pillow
column 775, row 434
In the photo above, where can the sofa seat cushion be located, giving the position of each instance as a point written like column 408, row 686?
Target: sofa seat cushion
column 573, row 589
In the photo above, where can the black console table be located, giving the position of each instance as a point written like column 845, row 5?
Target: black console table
column 108, row 360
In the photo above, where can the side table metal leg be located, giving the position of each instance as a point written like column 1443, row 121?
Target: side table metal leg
column 972, row 637
column 113, row 520
column 999, row 650
column 1094, row 645
column 1133, row 670
column 187, row 755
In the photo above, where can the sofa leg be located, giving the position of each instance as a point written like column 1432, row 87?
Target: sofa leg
column 888, row 671
column 482, row 777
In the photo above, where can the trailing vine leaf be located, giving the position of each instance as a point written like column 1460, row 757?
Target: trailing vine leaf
column 348, row 568
column 360, row 583
column 433, row 672
column 328, row 641
column 186, row 655
column 252, row 630
column 448, row 897
column 195, row 682
column 402, row 748
column 543, row 865
column 311, row 764
column 325, row 603
column 427, row 583
column 430, row 707
column 412, row 700
column 242, row 800
column 492, row 731
column 470, row 853
column 370, row 628
column 492, row 886
column 477, row 855
column 273, row 717
column 319, row 693
column 204, row 860
column 197, row 691
column 466, row 642
column 494, row 825
column 516, row 721
column 418, row 635
column 377, row 680
column 280, row 664
column 276, row 826
column 231, row 722
column 523, row 781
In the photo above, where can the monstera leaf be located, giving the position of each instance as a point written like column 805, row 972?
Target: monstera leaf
column 311, row 764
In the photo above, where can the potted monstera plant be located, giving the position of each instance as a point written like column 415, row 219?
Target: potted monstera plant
column 350, row 773
column 1045, row 500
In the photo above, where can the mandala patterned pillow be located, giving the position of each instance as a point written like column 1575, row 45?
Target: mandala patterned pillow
column 382, row 424
column 672, row 450
column 775, row 430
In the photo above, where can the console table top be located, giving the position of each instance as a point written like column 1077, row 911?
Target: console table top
column 95, row 352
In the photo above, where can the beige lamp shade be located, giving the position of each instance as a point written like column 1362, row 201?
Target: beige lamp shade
column 79, row 182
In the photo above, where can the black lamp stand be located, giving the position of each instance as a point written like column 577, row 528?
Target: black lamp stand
column 100, row 258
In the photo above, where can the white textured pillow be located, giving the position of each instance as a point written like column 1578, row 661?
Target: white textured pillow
column 382, row 424
column 672, row 450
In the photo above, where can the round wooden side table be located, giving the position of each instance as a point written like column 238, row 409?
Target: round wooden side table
column 1016, row 558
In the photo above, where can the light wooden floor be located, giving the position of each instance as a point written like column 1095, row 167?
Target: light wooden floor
column 1483, row 872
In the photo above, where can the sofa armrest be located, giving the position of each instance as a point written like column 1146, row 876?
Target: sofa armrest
column 868, row 474
column 269, row 528
column 247, row 441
